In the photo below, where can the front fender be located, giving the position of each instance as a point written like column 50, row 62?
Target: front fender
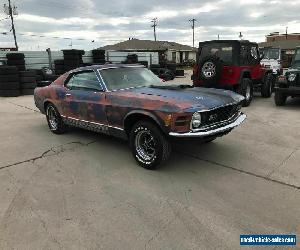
column 158, row 119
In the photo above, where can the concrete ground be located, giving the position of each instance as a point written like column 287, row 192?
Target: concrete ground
column 83, row 190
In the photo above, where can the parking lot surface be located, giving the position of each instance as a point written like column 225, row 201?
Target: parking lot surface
column 83, row 190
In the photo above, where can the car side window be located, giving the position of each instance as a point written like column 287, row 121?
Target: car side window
column 84, row 81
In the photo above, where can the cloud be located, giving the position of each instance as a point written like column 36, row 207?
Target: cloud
column 108, row 22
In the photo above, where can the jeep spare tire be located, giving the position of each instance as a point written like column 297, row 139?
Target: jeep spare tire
column 210, row 70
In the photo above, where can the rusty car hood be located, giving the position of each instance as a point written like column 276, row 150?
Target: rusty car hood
column 186, row 98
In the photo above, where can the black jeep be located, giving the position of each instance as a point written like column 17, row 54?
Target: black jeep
column 289, row 84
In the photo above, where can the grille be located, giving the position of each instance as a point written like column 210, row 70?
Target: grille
column 219, row 114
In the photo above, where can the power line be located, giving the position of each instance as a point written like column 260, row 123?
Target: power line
column 154, row 21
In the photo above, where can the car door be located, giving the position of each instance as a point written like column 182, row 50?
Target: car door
column 84, row 100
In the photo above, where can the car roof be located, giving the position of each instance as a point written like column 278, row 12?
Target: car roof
column 107, row 66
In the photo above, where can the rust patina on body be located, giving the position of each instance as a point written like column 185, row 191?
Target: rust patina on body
column 170, row 107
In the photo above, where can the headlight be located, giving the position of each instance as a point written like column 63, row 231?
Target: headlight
column 292, row 77
column 196, row 120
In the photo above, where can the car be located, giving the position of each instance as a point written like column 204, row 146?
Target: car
column 163, row 73
column 130, row 102
column 271, row 59
column 289, row 84
column 233, row 65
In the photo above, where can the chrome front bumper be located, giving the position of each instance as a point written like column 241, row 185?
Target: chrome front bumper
column 219, row 130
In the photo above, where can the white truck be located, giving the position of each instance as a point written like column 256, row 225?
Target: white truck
column 272, row 59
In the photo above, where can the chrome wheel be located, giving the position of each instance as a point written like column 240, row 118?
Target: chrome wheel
column 145, row 145
column 209, row 69
column 52, row 118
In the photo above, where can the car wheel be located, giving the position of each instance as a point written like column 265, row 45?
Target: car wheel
column 149, row 145
column 246, row 89
column 280, row 99
column 267, row 87
column 54, row 120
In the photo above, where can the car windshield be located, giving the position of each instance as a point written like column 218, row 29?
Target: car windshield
column 220, row 50
column 296, row 60
column 271, row 54
column 297, row 55
column 122, row 78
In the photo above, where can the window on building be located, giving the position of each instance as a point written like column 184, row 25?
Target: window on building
column 173, row 56
column 187, row 55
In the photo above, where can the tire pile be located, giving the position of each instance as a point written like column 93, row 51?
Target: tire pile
column 98, row 56
column 132, row 59
column 72, row 59
column 16, row 59
column 9, row 81
column 27, row 82
column 59, row 66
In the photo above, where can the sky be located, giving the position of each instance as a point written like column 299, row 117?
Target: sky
column 88, row 24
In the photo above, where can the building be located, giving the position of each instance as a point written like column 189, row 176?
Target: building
column 286, row 42
column 170, row 51
column 275, row 36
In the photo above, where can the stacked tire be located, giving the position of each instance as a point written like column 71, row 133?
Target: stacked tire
column 132, row 59
column 145, row 63
column 9, row 81
column 98, row 56
column 59, row 66
column 27, row 82
column 39, row 75
column 16, row 59
column 172, row 67
column 72, row 59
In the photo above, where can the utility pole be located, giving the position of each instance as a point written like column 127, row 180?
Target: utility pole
column 286, row 34
column 193, row 27
column 154, row 21
column 11, row 12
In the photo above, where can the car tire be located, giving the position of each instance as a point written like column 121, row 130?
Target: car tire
column 28, row 85
column 9, row 93
column 30, row 79
column 267, row 86
column 54, row 120
column 8, row 70
column 9, row 85
column 15, row 56
column 280, row 99
column 27, row 73
column 157, row 150
column 19, row 62
column 27, row 91
column 9, row 78
column 246, row 89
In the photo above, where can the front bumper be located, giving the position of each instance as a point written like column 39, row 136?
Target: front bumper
column 213, row 132
column 291, row 90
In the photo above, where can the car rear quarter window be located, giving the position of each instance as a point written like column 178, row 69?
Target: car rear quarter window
column 84, row 81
